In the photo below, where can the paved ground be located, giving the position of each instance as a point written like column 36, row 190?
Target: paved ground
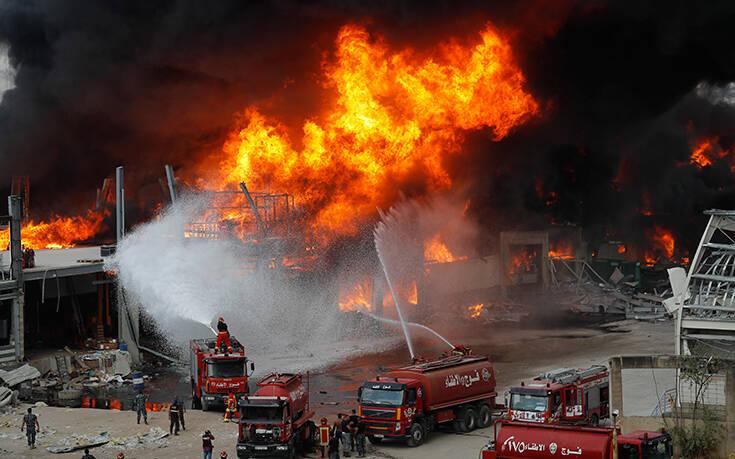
column 518, row 353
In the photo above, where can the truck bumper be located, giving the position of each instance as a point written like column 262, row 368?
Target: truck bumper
column 385, row 429
column 248, row 450
column 217, row 399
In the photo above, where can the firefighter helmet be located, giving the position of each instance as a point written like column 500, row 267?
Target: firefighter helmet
column 223, row 454
column 120, row 455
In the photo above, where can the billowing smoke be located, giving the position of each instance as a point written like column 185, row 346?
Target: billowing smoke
column 185, row 284
column 99, row 84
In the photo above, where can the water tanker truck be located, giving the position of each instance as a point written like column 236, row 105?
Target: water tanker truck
column 522, row 440
column 407, row 403
column 276, row 420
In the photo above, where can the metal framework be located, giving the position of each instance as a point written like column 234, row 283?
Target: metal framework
column 706, row 319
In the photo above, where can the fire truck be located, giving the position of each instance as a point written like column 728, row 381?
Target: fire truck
column 564, row 396
column 522, row 440
column 409, row 402
column 214, row 374
column 276, row 420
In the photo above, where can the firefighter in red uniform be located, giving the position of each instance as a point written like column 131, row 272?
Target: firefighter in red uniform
column 323, row 436
column 223, row 336
column 230, row 407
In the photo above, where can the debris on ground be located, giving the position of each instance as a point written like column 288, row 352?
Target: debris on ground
column 77, row 442
column 155, row 437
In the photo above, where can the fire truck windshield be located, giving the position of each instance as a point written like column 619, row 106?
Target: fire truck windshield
column 226, row 369
column 254, row 413
column 381, row 397
column 528, row 402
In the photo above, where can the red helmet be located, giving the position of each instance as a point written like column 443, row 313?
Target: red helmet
column 324, row 421
column 223, row 454
column 120, row 455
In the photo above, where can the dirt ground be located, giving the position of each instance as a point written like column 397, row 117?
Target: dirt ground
column 517, row 354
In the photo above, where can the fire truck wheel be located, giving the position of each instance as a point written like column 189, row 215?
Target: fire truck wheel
column 196, row 403
column 417, row 435
column 485, row 417
column 375, row 440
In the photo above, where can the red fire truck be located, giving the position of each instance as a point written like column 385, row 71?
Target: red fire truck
column 215, row 374
column 516, row 440
column 276, row 420
column 409, row 402
column 564, row 396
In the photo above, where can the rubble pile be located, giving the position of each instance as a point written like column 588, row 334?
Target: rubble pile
column 98, row 379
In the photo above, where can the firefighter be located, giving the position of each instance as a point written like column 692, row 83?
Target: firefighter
column 230, row 407
column 173, row 416
column 223, row 455
column 223, row 335
column 140, row 408
column 120, row 455
column 323, row 436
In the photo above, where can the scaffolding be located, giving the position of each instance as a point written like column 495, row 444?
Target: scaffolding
column 706, row 314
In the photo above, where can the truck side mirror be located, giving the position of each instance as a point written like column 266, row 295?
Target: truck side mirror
column 252, row 368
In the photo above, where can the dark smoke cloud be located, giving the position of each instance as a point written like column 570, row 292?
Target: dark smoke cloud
column 105, row 83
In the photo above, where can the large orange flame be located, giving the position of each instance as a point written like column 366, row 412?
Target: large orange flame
column 662, row 245
column 699, row 156
column 57, row 233
column 396, row 115
column 562, row 249
column 355, row 297
column 436, row 251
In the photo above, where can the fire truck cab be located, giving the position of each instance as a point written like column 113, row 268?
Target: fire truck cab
column 214, row 374
column 563, row 396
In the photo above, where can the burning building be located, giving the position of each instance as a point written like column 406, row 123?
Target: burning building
column 539, row 116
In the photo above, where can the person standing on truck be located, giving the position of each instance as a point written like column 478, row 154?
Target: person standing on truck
column 31, row 426
column 140, row 408
column 207, row 445
column 323, row 436
column 230, row 407
column 173, row 416
column 360, row 432
column 346, row 428
column 223, row 335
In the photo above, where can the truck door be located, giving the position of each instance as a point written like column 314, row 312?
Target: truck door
column 573, row 406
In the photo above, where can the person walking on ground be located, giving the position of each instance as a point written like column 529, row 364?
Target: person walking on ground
column 346, row 435
column 140, row 408
column 334, row 440
column 353, row 429
column 207, row 445
column 180, row 404
column 323, row 436
column 223, row 335
column 173, row 416
column 87, row 455
column 230, row 407
column 361, row 431
column 31, row 426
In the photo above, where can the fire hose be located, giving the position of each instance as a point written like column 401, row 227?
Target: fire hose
column 411, row 324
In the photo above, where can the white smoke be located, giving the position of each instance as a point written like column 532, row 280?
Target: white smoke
column 181, row 281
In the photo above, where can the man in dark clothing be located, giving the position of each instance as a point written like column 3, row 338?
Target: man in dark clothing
column 360, row 432
column 353, row 428
column 207, row 445
column 173, row 416
column 180, row 404
column 87, row 455
column 140, row 400
column 31, row 426
column 346, row 435
column 334, row 441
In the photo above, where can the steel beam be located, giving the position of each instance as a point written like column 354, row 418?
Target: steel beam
column 15, row 209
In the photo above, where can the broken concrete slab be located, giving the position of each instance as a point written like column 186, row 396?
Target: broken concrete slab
column 77, row 442
column 19, row 375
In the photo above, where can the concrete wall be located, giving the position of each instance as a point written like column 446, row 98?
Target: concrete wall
column 461, row 276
